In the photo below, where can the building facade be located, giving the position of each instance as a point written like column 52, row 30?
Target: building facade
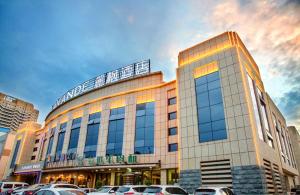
column 24, row 163
column 213, row 125
column 7, row 138
column 13, row 112
column 295, row 144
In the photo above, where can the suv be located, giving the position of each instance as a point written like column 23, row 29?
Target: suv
column 164, row 189
column 27, row 190
column 213, row 191
column 131, row 190
column 8, row 187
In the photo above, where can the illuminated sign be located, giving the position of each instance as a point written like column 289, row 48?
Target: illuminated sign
column 132, row 70
column 73, row 160
column 30, row 167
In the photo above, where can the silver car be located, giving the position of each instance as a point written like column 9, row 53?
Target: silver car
column 131, row 190
column 105, row 190
column 164, row 189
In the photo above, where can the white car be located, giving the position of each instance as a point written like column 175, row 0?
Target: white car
column 8, row 186
column 131, row 190
column 213, row 191
column 27, row 190
column 61, row 185
column 105, row 190
column 164, row 189
column 60, row 191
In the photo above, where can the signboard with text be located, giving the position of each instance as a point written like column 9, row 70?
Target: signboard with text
column 132, row 70
column 79, row 161
column 29, row 167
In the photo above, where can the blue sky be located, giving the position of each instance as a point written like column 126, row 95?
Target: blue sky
column 48, row 47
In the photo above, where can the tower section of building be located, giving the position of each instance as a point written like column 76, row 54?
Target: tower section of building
column 225, row 122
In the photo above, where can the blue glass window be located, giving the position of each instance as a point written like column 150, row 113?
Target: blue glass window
column 92, row 135
column 173, row 147
column 13, row 160
column 172, row 101
column 60, row 141
column 73, row 143
column 59, row 146
column 172, row 115
column 211, row 118
column 115, row 131
column 173, row 131
column 50, row 145
column 144, row 128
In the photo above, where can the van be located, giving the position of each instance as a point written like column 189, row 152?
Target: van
column 8, row 186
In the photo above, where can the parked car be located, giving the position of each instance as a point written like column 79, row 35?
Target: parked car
column 28, row 190
column 60, row 191
column 88, row 190
column 131, row 190
column 105, row 190
column 164, row 189
column 213, row 191
column 8, row 186
column 61, row 185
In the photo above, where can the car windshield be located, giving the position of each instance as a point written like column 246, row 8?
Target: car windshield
column 123, row 189
column 152, row 190
column 205, row 192
column 71, row 192
column 104, row 189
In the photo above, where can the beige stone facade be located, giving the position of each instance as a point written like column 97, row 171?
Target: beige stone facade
column 251, row 153
column 29, row 136
column 295, row 144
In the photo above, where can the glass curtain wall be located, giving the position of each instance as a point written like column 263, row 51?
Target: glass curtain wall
column 91, row 140
column 144, row 128
column 75, row 130
column 115, row 132
column 60, row 141
column 211, row 118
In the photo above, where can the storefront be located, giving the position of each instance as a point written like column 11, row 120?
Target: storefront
column 108, row 170
column 29, row 173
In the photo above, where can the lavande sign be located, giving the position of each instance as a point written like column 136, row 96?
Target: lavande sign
column 131, row 70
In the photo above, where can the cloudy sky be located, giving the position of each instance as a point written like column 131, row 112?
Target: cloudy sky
column 48, row 47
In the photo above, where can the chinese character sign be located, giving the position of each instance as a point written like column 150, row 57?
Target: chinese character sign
column 139, row 68
column 112, row 76
column 100, row 81
column 142, row 67
column 127, row 71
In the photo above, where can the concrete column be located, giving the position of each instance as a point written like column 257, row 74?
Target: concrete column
column 103, row 132
column 83, row 131
column 112, row 178
column 129, row 125
column 67, row 134
column 163, row 177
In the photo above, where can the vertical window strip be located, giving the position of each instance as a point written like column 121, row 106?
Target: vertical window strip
column 115, row 131
column 255, row 108
column 74, row 137
column 144, row 128
column 50, row 145
column 13, row 160
column 91, row 140
column 210, row 110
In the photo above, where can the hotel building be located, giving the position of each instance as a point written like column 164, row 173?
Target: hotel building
column 13, row 112
column 214, row 125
